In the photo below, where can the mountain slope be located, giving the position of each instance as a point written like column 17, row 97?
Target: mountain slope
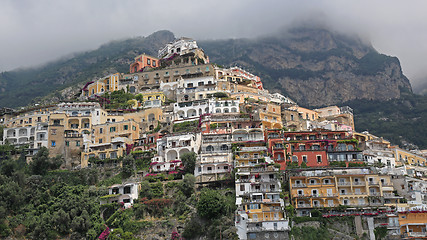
column 20, row 87
column 314, row 66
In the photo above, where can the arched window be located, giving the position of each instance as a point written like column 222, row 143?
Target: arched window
column 209, row 148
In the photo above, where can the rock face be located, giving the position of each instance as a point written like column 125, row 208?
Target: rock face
column 315, row 67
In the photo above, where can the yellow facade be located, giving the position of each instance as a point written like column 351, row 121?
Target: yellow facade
column 110, row 139
column 106, row 84
column 148, row 118
column 149, row 96
column 271, row 116
column 104, row 133
column 307, row 114
column 29, row 119
column 408, row 158
column 264, row 211
column 352, row 190
column 413, row 224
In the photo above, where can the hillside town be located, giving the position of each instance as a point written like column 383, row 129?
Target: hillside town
column 284, row 160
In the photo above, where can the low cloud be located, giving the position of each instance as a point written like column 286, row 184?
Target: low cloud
column 34, row 32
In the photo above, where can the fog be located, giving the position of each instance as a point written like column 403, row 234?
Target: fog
column 35, row 32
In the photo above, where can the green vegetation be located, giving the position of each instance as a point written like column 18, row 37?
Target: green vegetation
column 189, row 126
column 310, row 233
column 400, row 121
column 41, row 162
column 119, row 100
column 189, row 162
column 380, row 232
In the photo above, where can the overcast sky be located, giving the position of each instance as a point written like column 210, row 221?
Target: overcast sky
column 34, row 32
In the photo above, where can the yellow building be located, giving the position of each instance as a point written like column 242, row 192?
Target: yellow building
column 105, row 84
column 331, row 188
column 65, row 137
column 271, row 116
column 148, row 119
column 413, row 224
column 404, row 157
column 30, row 118
column 110, row 139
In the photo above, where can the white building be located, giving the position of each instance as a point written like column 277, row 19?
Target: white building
column 170, row 149
column 215, row 159
column 122, row 193
column 179, row 46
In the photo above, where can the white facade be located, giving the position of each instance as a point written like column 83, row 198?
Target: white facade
column 35, row 136
column 188, row 110
column 125, row 193
column 89, row 109
column 215, row 158
column 180, row 46
column 170, row 149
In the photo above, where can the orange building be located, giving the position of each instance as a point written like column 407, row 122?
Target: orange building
column 143, row 61
column 413, row 224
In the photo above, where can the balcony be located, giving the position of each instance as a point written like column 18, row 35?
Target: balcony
column 344, row 183
column 303, row 206
column 375, row 194
column 299, row 185
column 373, row 183
column 359, row 183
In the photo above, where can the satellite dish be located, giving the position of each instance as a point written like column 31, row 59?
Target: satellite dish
column 288, row 139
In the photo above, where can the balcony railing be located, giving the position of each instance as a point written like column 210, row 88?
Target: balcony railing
column 359, row 183
column 374, row 194
column 373, row 183
column 344, row 183
column 299, row 185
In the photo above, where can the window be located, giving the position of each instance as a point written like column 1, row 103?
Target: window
column 319, row 158
column 100, row 130
column 52, row 143
column 100, row 140
column 148, row 61
column 242, row 188
column 294, row 158
column 304, row 159
column 77, row 143
column 125, row 127
column 67, row 143
column 127, row 189
column 112, row 129
column 53, row 131
column 154, row 63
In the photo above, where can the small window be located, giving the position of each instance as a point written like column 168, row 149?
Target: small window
column 53, row 143
column 67, row 143
column 77, row 143
column 100, row 140
column 319, row 158
column 100, row 130
column 148, row 61
column 125, row 127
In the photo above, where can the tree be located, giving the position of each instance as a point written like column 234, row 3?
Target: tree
column 211, row 204
column 41, row 162
column 189, row 162
column 187, row 185
column 128, row 168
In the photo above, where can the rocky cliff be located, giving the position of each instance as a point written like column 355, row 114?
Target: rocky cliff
column 315, row 67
